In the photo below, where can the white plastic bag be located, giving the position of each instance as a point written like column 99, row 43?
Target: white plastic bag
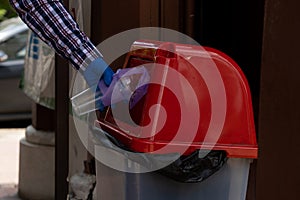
column 39, row 74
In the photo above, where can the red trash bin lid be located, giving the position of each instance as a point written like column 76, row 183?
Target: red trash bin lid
column 235, row 134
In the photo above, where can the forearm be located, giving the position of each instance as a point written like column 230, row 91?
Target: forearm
column 55, row 26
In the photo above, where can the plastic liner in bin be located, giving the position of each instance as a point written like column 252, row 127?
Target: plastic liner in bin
column 192, row 168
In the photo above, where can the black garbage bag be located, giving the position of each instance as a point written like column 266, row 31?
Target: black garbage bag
column 192, row 168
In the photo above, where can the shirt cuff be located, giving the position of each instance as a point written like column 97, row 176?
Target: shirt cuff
column 84, row 55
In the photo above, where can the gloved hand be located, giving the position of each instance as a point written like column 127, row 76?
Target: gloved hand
column 125, row 86
column 98, row 70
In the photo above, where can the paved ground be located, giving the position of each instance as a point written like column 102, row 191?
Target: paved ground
column 9, row 165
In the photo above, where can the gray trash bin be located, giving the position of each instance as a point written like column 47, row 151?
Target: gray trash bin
column 236, row 136
column 229, row 183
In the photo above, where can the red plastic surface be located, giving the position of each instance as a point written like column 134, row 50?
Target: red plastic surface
column 237, row 137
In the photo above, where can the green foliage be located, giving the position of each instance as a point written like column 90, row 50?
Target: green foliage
column 6, row 11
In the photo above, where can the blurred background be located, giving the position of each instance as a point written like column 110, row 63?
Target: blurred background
column 15, row 106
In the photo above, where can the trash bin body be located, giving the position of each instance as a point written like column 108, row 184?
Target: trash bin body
column 236, row 137
column 229, row 183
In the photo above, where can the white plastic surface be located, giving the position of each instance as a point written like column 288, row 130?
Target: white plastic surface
column 229, row 183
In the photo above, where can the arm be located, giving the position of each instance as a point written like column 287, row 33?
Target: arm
column 55, row 26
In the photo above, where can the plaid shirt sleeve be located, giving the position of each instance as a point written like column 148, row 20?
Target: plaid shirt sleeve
column 56, row 27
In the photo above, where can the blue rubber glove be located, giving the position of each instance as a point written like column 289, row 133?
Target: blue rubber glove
column 96, row 71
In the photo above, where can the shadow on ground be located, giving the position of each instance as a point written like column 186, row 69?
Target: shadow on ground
column 15, row 124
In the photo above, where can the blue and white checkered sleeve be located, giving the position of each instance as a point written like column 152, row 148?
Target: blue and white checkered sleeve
column 51, row 21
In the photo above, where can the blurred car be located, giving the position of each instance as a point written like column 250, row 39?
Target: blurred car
column 14, row 104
